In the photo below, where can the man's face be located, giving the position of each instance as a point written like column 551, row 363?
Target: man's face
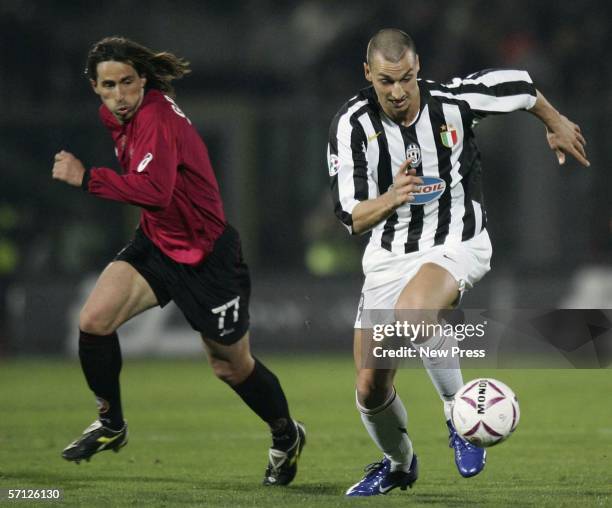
column 395, row 83
column 120, row 88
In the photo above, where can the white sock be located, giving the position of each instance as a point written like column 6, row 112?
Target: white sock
column 448, row 405
column 386, row 425
column 445, row 372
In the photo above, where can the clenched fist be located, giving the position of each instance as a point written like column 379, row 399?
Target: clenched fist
column 67, row 168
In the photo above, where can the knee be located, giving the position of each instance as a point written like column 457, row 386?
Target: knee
column 373, row 392
column 95, row 322
column 417, row 310
column 230, row 372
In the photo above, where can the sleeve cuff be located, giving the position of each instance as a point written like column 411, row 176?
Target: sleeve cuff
column 85, row 182
column 532, row 100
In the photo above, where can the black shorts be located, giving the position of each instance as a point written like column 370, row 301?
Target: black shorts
column 213, row 296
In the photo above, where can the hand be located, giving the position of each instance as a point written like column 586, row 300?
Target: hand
column 564, row 137
column 67, row 168
column 404, row 185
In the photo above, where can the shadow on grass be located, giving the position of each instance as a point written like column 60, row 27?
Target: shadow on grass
column 189, row 487
column 243, row 485
column 445, row 498
column 63, row 479
column 327, row 489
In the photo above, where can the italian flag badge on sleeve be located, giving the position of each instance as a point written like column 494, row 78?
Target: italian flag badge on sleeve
column 449, row 136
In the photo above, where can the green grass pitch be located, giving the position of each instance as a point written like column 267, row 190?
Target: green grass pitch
column 193, row 443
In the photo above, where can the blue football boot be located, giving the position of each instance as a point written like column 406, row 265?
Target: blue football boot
column 379, row 479
column 470, row 459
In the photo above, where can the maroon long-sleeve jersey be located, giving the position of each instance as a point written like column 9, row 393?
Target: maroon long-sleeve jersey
column 168, row 173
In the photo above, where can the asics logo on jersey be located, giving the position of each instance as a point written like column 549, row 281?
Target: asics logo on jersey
column 431, row 189
column 144, row 162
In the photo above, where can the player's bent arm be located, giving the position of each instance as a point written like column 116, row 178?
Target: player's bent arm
column 371, row 212
column 152, row 171
column 563, row 135
column 136, row 189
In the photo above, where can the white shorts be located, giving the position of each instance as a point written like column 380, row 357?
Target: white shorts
column 386, row 273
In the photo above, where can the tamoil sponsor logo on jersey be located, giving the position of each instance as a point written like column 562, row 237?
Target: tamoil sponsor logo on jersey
column 449, row 136
column 431, row 189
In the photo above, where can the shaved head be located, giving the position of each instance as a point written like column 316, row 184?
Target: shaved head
column 392, row 67
column 391, row 43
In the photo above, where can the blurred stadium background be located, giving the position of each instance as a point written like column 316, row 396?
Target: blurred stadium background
column 267, row 79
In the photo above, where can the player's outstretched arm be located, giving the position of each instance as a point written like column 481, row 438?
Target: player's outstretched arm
column 368, row 214
column 67, row 168
column 563, row 135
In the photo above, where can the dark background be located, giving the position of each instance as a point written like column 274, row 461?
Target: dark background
column 267, row 79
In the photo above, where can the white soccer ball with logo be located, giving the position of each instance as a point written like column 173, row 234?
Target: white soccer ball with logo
column 485, row 412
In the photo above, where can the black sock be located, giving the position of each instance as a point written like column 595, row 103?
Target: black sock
column 262, row 392
column 101, row 363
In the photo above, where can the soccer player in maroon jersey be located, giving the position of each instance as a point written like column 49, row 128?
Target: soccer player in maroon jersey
column 183, row 250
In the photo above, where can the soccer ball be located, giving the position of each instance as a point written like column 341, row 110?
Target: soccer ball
column 485, row 412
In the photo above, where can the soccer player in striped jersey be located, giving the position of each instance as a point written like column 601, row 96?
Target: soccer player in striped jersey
column 405, row 167
column 183, row 250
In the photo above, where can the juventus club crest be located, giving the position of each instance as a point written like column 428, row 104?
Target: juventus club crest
column 413, row 153
column 449, row 136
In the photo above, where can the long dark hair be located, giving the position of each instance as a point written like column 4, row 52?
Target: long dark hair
column 160, row 69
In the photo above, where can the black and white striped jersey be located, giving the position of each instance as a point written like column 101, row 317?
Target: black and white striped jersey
column 366, row 149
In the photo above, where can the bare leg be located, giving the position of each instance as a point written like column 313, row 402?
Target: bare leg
column 432, row 289
column 120, row 293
